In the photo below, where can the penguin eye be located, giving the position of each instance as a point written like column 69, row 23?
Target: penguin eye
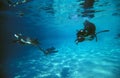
column 81, row 30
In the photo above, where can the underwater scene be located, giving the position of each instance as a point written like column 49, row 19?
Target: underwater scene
column 59, row 38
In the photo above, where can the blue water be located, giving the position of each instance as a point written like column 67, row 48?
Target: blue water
column 57, row 27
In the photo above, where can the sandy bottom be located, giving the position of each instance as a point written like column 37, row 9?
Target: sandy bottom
column 71, row 61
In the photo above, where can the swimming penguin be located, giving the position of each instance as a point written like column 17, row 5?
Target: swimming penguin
column 48, row 50
column 25, row 40
column 88, row 33
column 19, row 39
